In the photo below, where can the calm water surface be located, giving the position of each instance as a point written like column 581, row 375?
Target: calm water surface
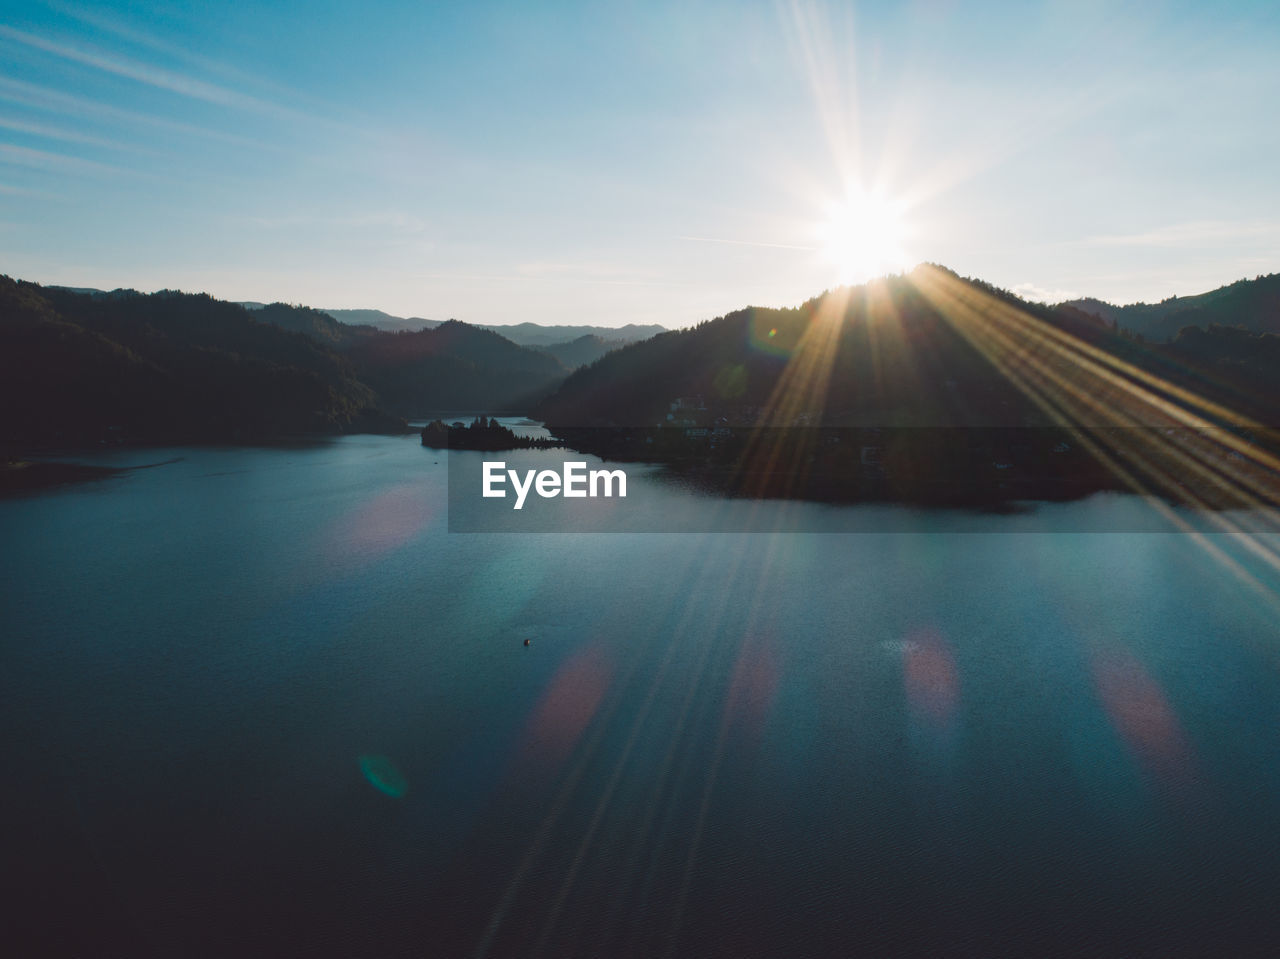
column 261, row 702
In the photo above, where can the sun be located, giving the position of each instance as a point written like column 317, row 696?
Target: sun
column 863, row 236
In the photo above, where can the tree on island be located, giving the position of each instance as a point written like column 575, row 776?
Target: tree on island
column 484, row 433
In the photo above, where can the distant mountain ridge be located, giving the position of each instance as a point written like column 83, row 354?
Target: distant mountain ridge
column 1250, row 304
column 443, row 366
column 314, row 323
column 583, row 351
column 453, row 366
column 524, row 334
column 382, row 321
column 534, row 334
column 433, row 367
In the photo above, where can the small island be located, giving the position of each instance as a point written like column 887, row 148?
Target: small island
column 483, row 433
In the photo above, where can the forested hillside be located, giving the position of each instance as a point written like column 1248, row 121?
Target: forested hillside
column 78, row 368
column 1253, row 305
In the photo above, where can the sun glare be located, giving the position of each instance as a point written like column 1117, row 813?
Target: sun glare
column 863, row 235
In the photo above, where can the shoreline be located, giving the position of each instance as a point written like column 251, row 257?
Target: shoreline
column 26, row 476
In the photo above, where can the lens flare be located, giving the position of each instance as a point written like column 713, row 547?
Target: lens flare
column 379, row 526
column 1141, row 713
column 752, row 687
column 565, row 710
column 930, row 678
column 384, row 776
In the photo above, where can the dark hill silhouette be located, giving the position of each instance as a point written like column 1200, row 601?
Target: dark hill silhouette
column 81, row 368
column 382, row 321
column 535, row 334
column 585, row 349
column 454, row 366
column 934, row 389
column 924, row 351
column 445, row 366
column 1250, row 304
column 121, row 366
column 914, row 370
column 522, row 334
column 891, row 359
column 1239, row 368
column 314, row 323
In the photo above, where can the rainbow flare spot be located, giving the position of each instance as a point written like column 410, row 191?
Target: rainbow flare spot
column 383, row 776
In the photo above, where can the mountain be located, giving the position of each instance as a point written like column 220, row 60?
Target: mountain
column 317, row 324
column 553, row 338
column 382, row 321
column 893, row 355
column 533, row 334
column 925, row 350
column 1250, row 304
column 89, row 290
column 97, row 367
column 918, row 370
column 454, row 366
column 934, row 389
column 1238, row 367
column 523, row 334
column 122, row 366
column 440, row 367
column 582, row 351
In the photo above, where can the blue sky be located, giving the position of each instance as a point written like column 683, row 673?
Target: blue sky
column 637, row 162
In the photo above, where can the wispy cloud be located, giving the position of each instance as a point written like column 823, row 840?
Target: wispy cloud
column 160, row 78
column 65, row 104
column 114, row 26
column 1192, row 234
column 45, row 160
column 140, row 72
column 57, row 133
column 8, row 189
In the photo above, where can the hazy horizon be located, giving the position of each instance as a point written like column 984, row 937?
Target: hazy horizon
column 585, row 165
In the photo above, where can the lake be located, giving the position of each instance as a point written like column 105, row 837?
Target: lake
column 263, row 702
